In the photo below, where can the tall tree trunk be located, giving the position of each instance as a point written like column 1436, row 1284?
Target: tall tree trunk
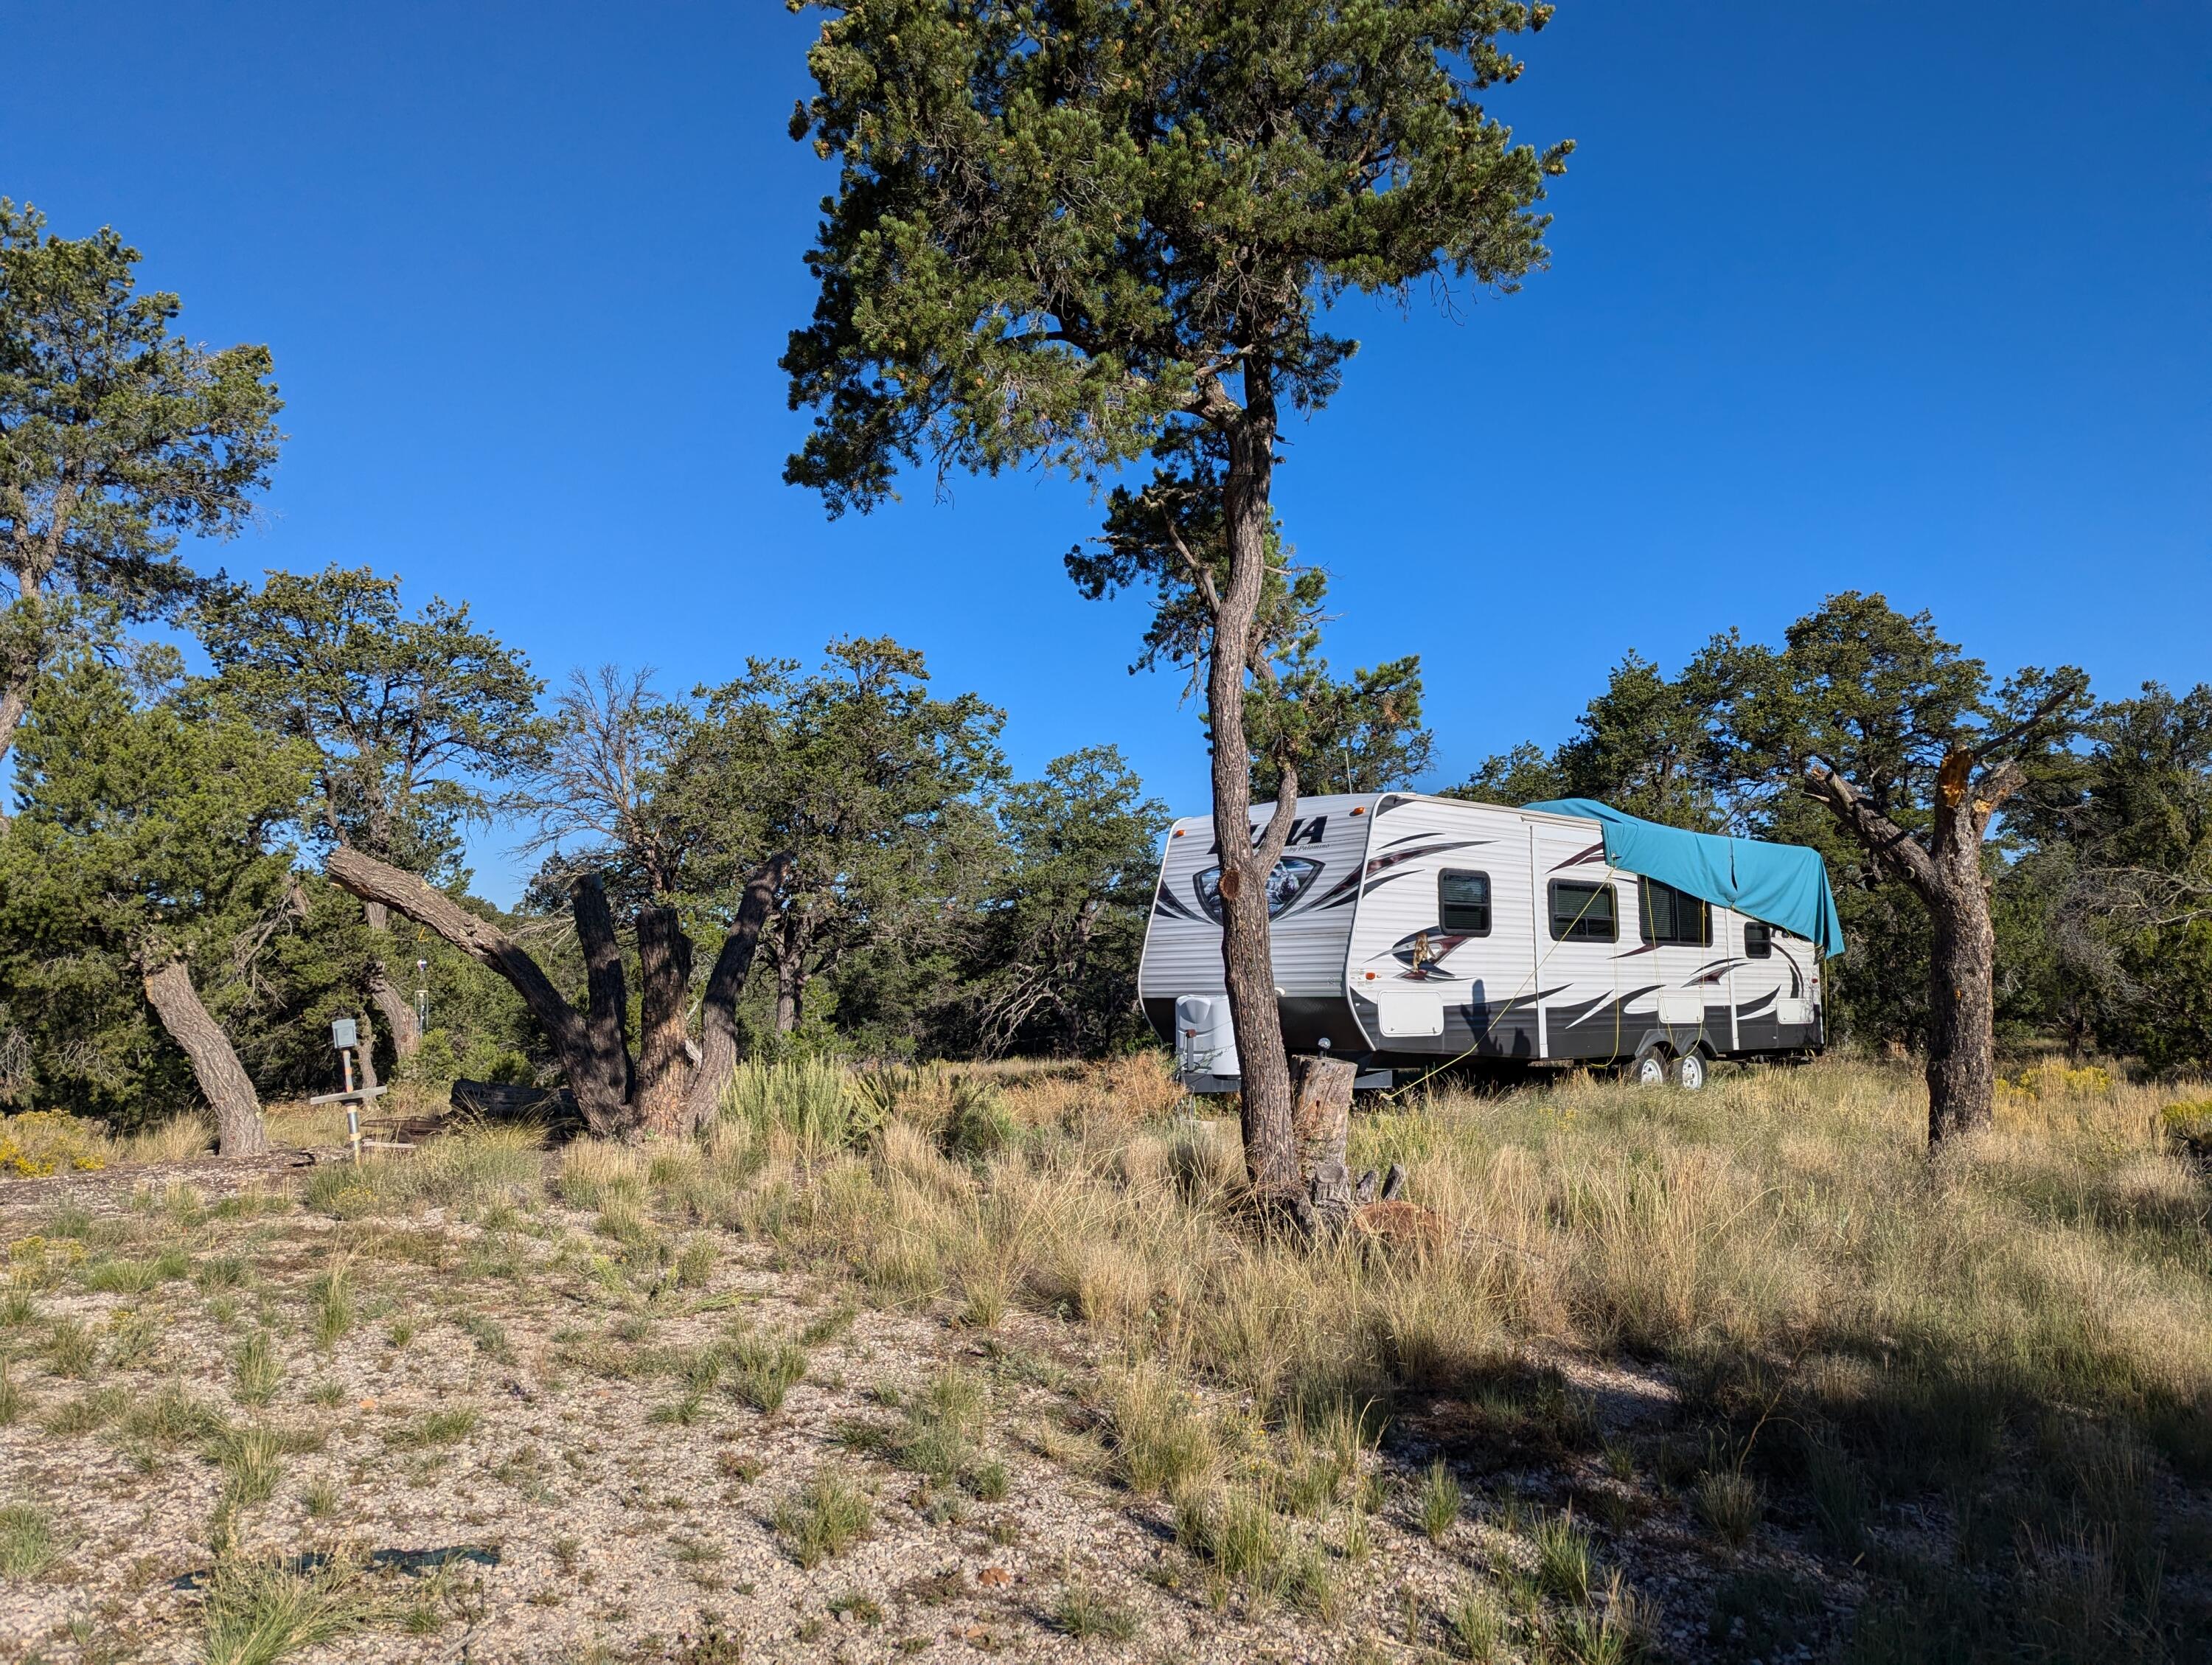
column 222, row 1081
column 1961, row 961
column 718, row 1010
column 366, row 1051
column 792, row 941
column 590, row 1047
column 14, row 701
column 664, row 1066
column 1247, row 957
column 606, row 1016
column 1946, row 873
column 399, row 1020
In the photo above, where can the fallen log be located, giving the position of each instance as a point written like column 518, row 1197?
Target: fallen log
column 552, row 1107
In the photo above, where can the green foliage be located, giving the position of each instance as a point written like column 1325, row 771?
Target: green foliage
column 146, row 829
column 874, row 786
column 1054, row 227
column 408, row 714
column 1051, row 963
column 117, row 439
column 1645, row 745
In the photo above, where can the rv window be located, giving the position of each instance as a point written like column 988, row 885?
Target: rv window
column 1582, row 913
column 1758, row 939
column 1674, row 916
column 1463, row 902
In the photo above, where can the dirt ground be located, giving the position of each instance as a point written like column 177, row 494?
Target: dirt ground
column 504, row 1439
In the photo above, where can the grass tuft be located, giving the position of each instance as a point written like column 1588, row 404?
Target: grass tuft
column 27, row 1541
column 824, row 1519
column 1439, row 1501
column 762, row 1372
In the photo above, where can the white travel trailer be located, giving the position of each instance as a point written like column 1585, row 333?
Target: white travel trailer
column 1411, row 932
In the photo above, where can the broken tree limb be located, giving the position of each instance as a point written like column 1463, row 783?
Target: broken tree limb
column 664, row 1066
column 718, row 1010
column 1321, row 1126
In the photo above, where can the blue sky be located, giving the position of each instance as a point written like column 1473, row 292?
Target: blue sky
column 1839, row 299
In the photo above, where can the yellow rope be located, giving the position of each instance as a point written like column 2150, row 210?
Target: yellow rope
column 1534, row 972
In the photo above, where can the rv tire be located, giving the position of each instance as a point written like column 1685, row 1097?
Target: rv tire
column 1650, row 1068
column 1688, row 1071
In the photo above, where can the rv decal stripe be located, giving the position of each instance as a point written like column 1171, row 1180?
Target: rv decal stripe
column 1169, row 904
column 1596, row 852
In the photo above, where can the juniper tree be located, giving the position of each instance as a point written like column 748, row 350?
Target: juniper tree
column 1869, row 719
column 1069, row 231
column 148, row 850
column 411, row 717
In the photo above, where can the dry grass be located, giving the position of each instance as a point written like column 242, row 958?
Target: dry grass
column 1976, row 1393
column 1846, row 1317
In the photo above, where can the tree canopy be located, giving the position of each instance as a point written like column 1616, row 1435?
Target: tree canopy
column 118, row 438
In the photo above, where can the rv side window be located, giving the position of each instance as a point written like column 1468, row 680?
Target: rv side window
column 1582, row 913
column 1758, row 939
column 1463, row 902
column 1674, row 916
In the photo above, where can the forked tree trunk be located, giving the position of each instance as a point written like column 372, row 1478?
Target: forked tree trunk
column 222, row 1081
column 1247, row 957
column 606, row 1013
column 792, row 942
column 664, row 1066
column 1946, row 874
column 718, row 1010
column 591, row 1046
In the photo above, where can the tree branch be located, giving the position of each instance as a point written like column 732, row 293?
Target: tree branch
column 1890, row 845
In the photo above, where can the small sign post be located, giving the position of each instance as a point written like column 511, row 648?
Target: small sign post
column 345, row 1037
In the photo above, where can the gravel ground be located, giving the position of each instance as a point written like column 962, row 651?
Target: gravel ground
column 628, row 1519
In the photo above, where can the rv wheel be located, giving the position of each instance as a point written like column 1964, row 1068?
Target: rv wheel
column 1688, row 1072
column 1649, row 1069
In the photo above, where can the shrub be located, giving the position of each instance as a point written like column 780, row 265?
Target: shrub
column 809, row 1099
column 27, row 1541
column 1730, row 1503
column 980, row 1125
column 762, row 1372
column 41, row 1142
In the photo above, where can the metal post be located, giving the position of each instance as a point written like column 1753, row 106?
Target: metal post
column 353, row 1110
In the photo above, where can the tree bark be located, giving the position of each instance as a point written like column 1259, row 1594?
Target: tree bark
column 600, row 1083
column 793, row 937
column 1961, row 962
column 14, row 701
column 718, row 1010
column 398, row 1012
column 1946, row 873
column 1247, row 955
column 1320, row 1123
column 366, row 1051
column 606, row 1015
column 664, row 1066
column 222, row 1081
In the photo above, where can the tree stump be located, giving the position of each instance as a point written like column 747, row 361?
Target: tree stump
column 1320, row 1127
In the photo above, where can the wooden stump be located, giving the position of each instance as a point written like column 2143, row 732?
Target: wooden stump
column 1321, row 1125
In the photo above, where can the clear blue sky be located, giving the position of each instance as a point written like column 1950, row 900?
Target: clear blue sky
column 1842, row 296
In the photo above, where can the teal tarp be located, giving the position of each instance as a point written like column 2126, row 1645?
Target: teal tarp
column 1784, row 884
